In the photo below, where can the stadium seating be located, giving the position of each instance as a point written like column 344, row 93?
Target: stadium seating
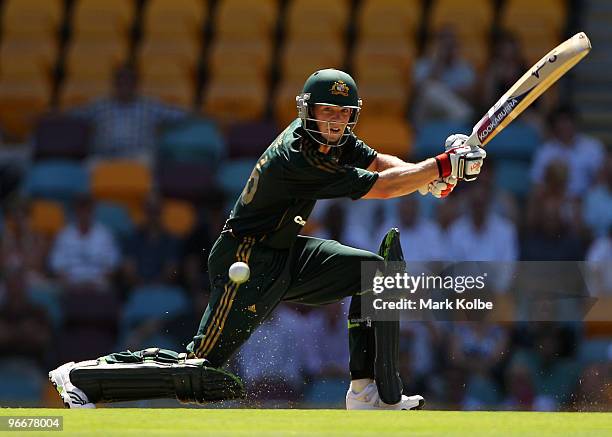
column 513, row 175
column 46, row 217
column 301, row 58
column 390, row 135
column 233, row 175
column 231, row 101
column 122, row 181
column 250, row 20
column 169, row 53
column 429, row 139
column 473, row 25
column 235, row 61
column 174, row 20
column 389, row 21
column 31, row 18
column 477, row 19
column 250, row 139
column 194, row 140
column 538, row 25
column 56, row 180
column 116, row 218
column 101, row 19
column 47, row 297
column 518, row 140
column 193, row 182
column 21, row 382
column 178, row 217
column 317, row 20
column 285, row 110
column 21, row 104
column 90, row 324
column 61, row 136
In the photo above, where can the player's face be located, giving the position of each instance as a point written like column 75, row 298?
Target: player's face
column 331, row 121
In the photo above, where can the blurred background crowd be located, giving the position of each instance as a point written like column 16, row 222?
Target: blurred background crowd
column 128, row 128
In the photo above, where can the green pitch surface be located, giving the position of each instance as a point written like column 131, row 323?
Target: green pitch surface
column 233, row 422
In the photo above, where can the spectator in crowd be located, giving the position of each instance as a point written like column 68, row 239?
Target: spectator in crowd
column 599, row 258
column 330, row 353
column 84, row 253
column 443, row 81
column 553, row 190
column 598, row 201
column 21, row 245
column 583, row 154
column 478, row 349
column 125, row 123
column 421, row 239
column 506, row 65
column 549, row 235
column 481, row 234
column 25, row 328
column 504, row 68
column 520, row 387
column 553, row 370
column 151, row 254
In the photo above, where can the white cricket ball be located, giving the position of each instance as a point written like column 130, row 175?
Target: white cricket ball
column 239, row 272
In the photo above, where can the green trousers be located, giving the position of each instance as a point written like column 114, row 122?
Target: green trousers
column 312, row 272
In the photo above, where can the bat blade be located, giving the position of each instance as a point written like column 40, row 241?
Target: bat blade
column 529, row 87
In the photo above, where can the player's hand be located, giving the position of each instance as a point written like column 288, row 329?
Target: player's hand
column 441, row 188
column 460, row 161
column 454, row 140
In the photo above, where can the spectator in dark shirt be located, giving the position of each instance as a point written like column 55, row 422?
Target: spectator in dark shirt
column 125, row 123
column 25, row 328
column 151, row 255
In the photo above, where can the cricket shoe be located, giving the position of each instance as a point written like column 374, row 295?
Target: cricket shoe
column 72, row 396
column 368, row 399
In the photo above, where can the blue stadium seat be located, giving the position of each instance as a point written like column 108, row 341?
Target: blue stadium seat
column 47, row 297
column 194, row 140
column 21, row 382
column 328, row 392
column 430, row 137
column 57, row 180
column 517, row 141
column 595, row 351
column 115, row 217
column 62, row 137
column 233, row 175
column 513, row 175
column 153, row 302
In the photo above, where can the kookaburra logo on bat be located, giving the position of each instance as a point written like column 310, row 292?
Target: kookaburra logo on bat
column 536, row 72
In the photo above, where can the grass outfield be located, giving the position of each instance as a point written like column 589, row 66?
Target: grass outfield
column 230, row 422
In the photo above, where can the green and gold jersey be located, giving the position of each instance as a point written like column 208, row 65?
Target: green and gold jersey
column 289, row 178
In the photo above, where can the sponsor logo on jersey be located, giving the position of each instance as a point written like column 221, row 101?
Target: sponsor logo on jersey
column 299, row 220
column 339, row 88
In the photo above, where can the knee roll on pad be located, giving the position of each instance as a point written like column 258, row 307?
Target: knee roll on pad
column 159, row 374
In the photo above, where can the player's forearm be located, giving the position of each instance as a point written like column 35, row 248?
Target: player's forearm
column 384, row 162
column 403, row 179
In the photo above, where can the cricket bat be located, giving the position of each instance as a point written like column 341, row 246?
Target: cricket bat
column 529, row 87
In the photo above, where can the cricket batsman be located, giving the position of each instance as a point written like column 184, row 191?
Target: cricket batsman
column 318, row 156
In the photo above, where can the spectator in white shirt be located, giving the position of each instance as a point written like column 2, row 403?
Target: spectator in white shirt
column 444, row 82
column 598, row 202
column 84, row 253
column 584, row 155
column 483, row 235
column 421, row 239
column 599, row 263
